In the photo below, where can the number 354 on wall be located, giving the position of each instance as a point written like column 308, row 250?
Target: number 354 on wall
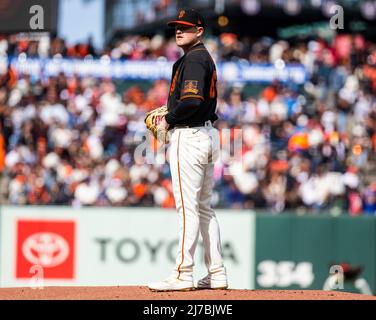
column 284, row 274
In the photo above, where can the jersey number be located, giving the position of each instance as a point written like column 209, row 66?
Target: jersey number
column 213, row 86
column 173, row 83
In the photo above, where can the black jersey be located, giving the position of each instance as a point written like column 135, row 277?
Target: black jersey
column 194, row 76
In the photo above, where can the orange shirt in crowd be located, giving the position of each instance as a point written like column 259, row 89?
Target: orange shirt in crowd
column 12, row 78
column 370, row 73
column 2, row 153
column 139, row 190
column 298, row 141
column 269, row 94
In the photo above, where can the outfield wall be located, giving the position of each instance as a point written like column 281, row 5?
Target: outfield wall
column 132, row 246
column 298, row 252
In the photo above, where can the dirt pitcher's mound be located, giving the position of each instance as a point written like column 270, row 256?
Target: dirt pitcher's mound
column 143, row 293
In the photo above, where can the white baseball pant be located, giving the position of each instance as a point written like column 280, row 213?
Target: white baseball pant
column 193, row 152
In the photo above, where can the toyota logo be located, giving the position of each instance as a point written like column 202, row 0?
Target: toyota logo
column 46, row 249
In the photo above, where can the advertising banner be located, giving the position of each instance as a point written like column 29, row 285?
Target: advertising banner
column 242, row 72
column 52, row 246
column 107, row 246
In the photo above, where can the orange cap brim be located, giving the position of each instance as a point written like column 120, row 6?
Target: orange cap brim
column 176, row 22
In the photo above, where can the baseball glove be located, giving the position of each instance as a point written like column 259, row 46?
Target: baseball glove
column 152, row 121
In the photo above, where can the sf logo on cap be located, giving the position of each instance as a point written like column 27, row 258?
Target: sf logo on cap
column 181, row 14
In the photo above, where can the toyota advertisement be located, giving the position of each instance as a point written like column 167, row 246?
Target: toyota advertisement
column 47, row 246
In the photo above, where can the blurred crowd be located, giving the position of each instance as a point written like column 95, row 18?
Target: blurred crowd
column 308, row 148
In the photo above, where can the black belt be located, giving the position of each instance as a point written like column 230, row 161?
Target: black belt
column 202, row 124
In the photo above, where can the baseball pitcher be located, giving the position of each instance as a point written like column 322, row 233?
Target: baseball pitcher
column 194, row 145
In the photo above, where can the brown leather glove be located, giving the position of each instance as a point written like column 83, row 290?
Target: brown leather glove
column 153, row 119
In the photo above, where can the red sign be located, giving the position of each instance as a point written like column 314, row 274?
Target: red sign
column 49, row 244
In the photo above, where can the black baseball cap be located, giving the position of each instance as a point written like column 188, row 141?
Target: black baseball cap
column 188, row 17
